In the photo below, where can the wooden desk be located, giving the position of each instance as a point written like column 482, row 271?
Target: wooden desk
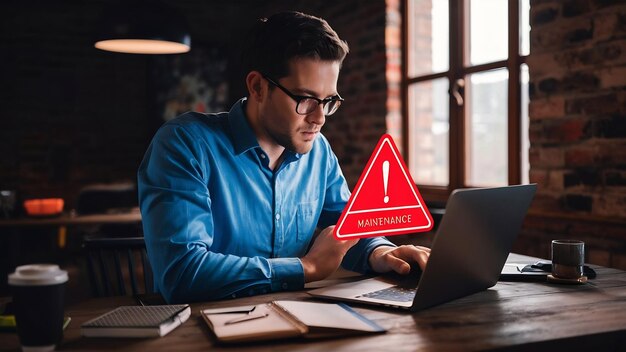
column 10, row 226
column 511, row 315
column 70, row 220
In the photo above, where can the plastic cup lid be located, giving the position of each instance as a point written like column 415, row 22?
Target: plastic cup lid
column 46, row 348
column 38, row 275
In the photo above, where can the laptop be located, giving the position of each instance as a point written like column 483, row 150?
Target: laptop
column 468, row 253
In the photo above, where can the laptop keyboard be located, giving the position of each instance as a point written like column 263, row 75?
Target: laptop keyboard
column 395, row 293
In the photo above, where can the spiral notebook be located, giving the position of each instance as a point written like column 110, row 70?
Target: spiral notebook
column 137, row 321
column 286, row 319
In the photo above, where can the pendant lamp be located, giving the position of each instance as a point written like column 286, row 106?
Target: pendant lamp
column 143, row 27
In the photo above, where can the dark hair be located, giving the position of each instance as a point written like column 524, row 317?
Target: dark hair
column 275, row 40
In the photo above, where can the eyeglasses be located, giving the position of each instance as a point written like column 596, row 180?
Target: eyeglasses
column 307, row 104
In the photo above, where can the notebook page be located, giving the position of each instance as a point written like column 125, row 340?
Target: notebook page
column 326, row 315
column 271, row 326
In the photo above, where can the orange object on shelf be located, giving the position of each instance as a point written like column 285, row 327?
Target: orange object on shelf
column 44, row 207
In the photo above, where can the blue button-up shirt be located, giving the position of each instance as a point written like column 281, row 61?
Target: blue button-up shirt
column 218, row 222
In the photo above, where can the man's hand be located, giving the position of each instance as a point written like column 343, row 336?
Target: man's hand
column 325, row 255
column 385, row 258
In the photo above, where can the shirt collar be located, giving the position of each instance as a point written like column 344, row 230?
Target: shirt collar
column 243, row 136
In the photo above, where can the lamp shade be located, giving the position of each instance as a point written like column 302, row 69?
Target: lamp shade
column 143, row 27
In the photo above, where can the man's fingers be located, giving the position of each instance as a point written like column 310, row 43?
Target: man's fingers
column 426, row 249
column 415, row 254
column 421, row 257
column 398, row 259
column 398, row 265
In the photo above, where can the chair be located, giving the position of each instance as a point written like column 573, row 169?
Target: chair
column 115, row 198
column 107, row 261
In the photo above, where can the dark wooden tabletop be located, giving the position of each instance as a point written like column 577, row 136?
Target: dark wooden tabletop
column 65, row 219
column 511, row 316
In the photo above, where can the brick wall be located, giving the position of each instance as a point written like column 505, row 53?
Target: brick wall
column 578, row 128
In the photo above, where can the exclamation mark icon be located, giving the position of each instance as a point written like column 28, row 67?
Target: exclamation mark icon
column 386, row 179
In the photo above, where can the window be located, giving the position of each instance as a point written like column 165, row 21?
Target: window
column 465, row 89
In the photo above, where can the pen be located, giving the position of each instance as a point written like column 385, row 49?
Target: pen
column 246, row 318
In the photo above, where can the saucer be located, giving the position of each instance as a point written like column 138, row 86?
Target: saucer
column 557, row 280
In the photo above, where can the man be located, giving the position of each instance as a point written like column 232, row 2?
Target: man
column 230, row 201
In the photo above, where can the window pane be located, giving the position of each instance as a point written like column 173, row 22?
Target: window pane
column 524, row 30
column 487, row 128
column 428, row 132
column 525, row 145
column 428, row 37
column 488, row 31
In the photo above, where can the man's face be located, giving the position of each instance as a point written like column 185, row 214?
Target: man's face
column 279, row 119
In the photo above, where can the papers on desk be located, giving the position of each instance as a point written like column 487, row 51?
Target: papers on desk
column 137, row 321
column 285, row 319
column 522, row 272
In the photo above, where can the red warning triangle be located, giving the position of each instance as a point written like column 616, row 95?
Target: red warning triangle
column 385, row 201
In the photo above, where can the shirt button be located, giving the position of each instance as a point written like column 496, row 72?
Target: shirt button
column 262, row 156
column 277, row 216
column 285, row 285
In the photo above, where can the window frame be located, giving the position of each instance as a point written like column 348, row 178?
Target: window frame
column 458, row 57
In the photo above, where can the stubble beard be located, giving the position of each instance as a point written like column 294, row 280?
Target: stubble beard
column 288, row 143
